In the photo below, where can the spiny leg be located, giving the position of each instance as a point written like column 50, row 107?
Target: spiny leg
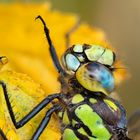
column 51, row 48
column 45, row 121
column 3, row 135
column 33, row 112
column 73, row 29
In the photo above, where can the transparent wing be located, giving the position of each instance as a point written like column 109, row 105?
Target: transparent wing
column 134, row 125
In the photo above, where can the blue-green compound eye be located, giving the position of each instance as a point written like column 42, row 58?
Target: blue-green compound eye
column 95, row 77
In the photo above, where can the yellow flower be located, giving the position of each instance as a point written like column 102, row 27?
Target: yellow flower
column 24, row 94
column 22, row 40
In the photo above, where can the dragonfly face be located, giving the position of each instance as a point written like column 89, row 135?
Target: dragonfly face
column 91, row 64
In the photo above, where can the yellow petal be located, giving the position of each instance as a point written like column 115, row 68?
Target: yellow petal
column 24, row 94
column 24, row 43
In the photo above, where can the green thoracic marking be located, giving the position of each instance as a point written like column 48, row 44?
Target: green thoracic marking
column 60, row 114
column 78, row 48
column 74, row 122
column 111, row 105
column 93, row 121
column 65, row 118
column 82, row 131
column 107, row 57
column 92, row 100
column 94, row 52
column 69, row 135
column 77, row 99
column 72, row 62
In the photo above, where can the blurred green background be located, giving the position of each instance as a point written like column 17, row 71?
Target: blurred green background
column 120, row 20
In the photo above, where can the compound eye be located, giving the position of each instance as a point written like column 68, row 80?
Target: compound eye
column 72, row 62
column 95, row 77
